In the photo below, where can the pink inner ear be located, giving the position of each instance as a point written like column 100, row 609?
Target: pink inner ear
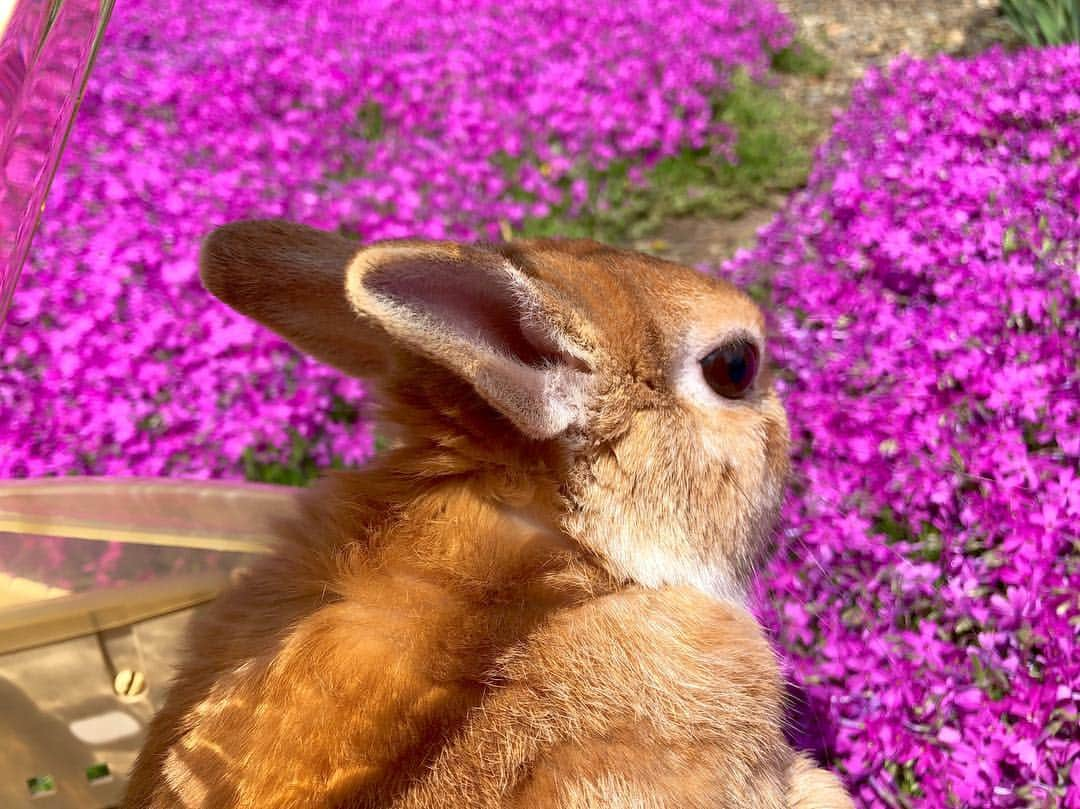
column 466, row 299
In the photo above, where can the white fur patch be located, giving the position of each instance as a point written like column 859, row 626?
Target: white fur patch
column 654, row 566
column 182, row 781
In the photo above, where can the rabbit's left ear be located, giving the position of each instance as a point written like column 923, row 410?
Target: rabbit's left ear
column 472, row 311
column 291, row 278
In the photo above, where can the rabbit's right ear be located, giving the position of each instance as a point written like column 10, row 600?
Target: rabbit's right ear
column 291, row 278
column 520, row 345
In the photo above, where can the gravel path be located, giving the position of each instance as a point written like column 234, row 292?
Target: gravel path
column 853, row 35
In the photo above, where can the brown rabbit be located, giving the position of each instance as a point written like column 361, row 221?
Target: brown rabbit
column 536, row 598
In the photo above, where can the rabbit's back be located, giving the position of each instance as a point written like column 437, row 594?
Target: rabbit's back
column 337, row 669
column 638, row 698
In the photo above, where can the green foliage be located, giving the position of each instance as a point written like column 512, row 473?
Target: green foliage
column 801, row 59
column 993, row 682
column 371, row 121
column 41, row 785
column 925, row 546
column 1044, row 22
column 98, row 773
column 773, row 147
column 342, row 411
column 886, row 524
column 903, row 775
column 297, row 469
column 772, row 154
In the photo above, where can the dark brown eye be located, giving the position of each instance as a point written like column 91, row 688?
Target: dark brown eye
column 730, row 369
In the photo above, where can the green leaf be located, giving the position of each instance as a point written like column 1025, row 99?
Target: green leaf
column 801, row 59
column 41, row 785
column 98, row 773
column 1044, row 22
column 372, row 121
column 1008, row 242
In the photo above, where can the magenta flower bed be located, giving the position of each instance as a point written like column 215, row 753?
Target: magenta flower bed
column 927, row 592
column 926, row 288
column 386, row 119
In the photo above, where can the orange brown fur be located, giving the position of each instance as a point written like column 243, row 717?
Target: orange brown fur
column 487, row 618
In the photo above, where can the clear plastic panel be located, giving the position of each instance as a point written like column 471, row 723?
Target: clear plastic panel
column 78, row 554
column 46, row 49
column 98, row 577
column 98, row 580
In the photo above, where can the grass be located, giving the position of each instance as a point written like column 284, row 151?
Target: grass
column 801, row 59
column 1044, row 22
column 773, row 141
column 297, row 468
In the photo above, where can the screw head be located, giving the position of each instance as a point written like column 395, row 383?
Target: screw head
column 129, row 683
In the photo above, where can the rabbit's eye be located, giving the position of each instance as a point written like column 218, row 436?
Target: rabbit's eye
column 730, row 369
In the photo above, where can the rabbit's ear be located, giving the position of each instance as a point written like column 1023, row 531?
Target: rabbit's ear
column 472, row 311
column 291, row 278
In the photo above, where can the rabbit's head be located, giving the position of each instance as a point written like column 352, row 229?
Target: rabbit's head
column 637, row 387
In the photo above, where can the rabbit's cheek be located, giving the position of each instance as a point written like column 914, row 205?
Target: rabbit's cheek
column 734, row 438
column 777, row 441
column 667, row 507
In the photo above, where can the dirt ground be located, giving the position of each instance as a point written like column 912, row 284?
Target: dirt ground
column 852, row 35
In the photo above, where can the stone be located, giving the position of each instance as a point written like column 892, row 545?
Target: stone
column 955, row 39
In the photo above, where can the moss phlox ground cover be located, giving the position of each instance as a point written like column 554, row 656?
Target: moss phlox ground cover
column 927, row 304
column 925, row 288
